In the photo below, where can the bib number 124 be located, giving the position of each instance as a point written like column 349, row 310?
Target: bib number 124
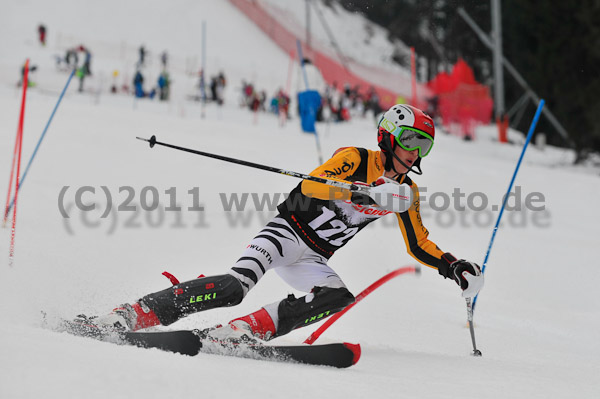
column 336, row 233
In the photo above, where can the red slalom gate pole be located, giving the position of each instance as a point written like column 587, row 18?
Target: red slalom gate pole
column 10, row 181
column 317, row 333
column 18, row 151
column 19, row 131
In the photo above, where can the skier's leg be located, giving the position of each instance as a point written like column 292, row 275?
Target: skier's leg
column 281, row 317
column 276, row 245
column 167, row 306
column 194, row 296
column 328, row 295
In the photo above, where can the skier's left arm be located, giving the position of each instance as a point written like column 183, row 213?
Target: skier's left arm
column 466, row 274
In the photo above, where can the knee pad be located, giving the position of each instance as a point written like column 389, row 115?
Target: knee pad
column 320, row 303
column 194, row 296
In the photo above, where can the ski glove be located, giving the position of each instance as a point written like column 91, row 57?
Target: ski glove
column 468, row 276
column 386, row 193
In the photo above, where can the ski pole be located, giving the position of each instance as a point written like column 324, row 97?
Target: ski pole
column 476, row 352
column 335, row 183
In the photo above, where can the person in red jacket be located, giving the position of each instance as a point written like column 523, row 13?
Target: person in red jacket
column 313, row 223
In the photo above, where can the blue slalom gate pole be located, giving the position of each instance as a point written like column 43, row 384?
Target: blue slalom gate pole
column 512, row 181
column 42, row 137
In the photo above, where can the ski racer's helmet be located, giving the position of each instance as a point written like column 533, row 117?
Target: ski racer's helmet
column 408, row 127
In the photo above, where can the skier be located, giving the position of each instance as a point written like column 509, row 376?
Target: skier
column 313, row 222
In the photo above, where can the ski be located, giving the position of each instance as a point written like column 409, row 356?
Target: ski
column 193, row 342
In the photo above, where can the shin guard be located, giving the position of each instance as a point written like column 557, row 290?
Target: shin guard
column 194, row 296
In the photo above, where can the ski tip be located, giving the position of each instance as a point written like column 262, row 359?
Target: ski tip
column 417, row 270
column 355, row 348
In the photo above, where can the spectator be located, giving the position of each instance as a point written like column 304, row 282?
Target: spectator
column 283, row 105
column 138, row 84
column 113, row 87
column 72, row 58
column 30, row 83
column 213, row 89
column 42, row 34
column 81, row 74
column 164, row 57
column 201, row 87
column 221, row 82
column 372, row 103
column 86, row 61
column 248, row 94
column 164, row 84
column 142, row 55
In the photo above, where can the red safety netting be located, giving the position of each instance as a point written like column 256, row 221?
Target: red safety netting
column 462, row 102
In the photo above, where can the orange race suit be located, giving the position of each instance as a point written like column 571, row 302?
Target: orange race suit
column 326, row 217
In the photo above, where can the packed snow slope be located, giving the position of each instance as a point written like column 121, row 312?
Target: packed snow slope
column 537, row 318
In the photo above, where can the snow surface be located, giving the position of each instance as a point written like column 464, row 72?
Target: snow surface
column 537, row 319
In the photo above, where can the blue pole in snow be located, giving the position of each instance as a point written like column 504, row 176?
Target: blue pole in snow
column 529, row 135
column 42, row 136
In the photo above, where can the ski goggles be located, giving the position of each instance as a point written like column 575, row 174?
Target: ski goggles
column 409, row 138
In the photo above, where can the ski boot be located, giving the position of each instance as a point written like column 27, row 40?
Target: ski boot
column 122, row 319
column 253, row 329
